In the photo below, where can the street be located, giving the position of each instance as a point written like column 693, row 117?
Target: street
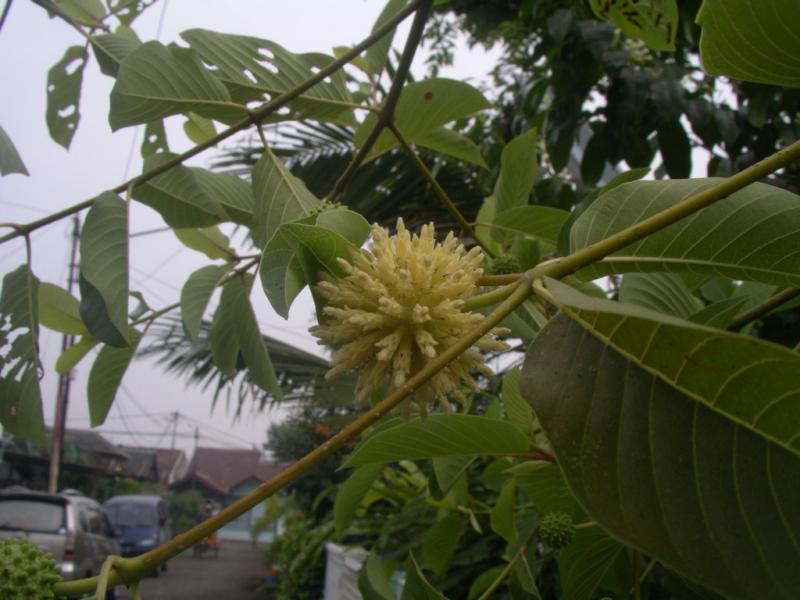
column 234, row 575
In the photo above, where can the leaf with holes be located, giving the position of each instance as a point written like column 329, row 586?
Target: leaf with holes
column 753, row 234
column 683, row 443
column 441, row 435
column 20, row 398
column 59, row 310
column 655, row 22
column 106, row 376
column 104, row 270
column 423, row 107
column 662, row 292
column 155, row 81
column 751, row 41
column 10, row 161
column 64, row 95
column 251, row 67
column 280, row 197
column 154, row 140
column 195, row 295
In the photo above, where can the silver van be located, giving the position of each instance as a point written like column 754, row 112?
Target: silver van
column 73, row 528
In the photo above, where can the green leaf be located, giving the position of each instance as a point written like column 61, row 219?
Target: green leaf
column 195, row 295
column 199, row 129
column 453, row 144
column 441, row 435
column 350, row 494
column 222, row 339
column 719, row 314
column 376, row 55
column 417, row 587
column 64, row 95
column 662, row 292
column 583, row 564
column 751, row 41
column 449, row 470
column 324, row 245
column 518, row 412
column 282, row 274
column 373, row 582
column 59, row 310
column 155, row 81
column 540, row 222
column 85, row 12
column 74, row 354
column 544, row 484
column 486, row 214
column 106, row 375
column 655, row 22
column 483, row 581
column 104, row 270
column 110, row 49
column 251, row 342
column 753, row 234
column 680, row 476
column 10, row 161
column 232, row 192
column 441, row 541
column 154, row 140
column 518, row 168
column 280, row 197
column 182, row 196
column 424, row 106
column 502, row 514
column 250, row 67
column 208, row 240
column 20, row 398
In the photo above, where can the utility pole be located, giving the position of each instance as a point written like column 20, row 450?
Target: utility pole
column 174, row 427
column 62, row 397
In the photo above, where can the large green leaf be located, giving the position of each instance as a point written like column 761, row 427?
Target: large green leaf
column 680, row 474
column 232, row 192
column 663, row 292
column 20, row 398
column 373, row 582
column 250, row 67
column 86, row 12
column 111, row 49
column 74, row 354
column 655, row 22
column 753, row 41
column 64, row 94
column 585, row 561
column 518, row 168
column 544, row 484
column 222, row 339
column 375, row 57
column 754, row 234
column 441, row 541
column 106, row 375
column 441, row 435
column 10, row 161
column 208, row 240
column 59, row 310
column 518, row 412
column 195, row 295
column 424, row 106
column 540, row 222
column 104, row 270
column 280, row 197
column 350, row 494
column 501, row 516
column 155, row 81
column 185, row 196
column 453, row 144
column 417, row 587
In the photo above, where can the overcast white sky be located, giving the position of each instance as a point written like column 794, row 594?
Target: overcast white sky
column 30, row 44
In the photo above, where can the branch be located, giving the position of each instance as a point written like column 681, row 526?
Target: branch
column 439, row 190
column 507, row 570
column 178, row 544
column 4, row 16
column 762, row 309
column 386, row 115
column 255, row 117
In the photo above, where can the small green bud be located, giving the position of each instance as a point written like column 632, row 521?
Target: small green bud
column 26, row 571
column 505, row 265
column 556, row 530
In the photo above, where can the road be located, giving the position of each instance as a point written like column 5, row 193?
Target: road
column 232, row 576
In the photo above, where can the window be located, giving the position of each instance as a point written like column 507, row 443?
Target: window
column 31, row 515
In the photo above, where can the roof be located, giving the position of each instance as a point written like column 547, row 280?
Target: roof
column 222, row 469
column 166, row 459
column 141, row 463
column 77, row 442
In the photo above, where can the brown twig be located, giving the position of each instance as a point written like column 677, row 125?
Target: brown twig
column 761, row 310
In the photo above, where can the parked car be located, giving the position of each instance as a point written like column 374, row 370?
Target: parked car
column 73, row 528
column 141, row 522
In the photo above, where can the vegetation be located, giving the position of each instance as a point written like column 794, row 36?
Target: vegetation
column 646, row 446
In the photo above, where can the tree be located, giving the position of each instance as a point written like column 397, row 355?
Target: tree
column 640, row 445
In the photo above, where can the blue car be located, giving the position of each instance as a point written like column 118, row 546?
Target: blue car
column 140, row 522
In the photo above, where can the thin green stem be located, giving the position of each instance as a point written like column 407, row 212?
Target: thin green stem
column 386, row 115
column 488, row 298
column 139, row 565
column 502, row 575
column 567, row 265
column 763, row 309
column 586, row 525
column 438, row 189
column 155, row 314
column 256, row 117
column 490, row 280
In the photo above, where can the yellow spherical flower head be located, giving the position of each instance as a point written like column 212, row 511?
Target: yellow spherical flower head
column 398, row 307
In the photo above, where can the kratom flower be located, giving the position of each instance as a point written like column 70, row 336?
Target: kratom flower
column 399, row 306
